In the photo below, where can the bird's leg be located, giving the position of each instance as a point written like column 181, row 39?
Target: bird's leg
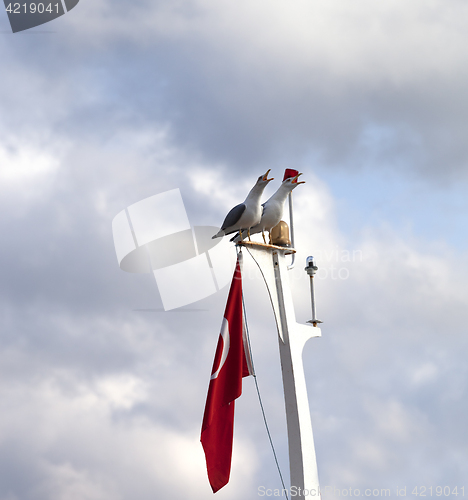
column 248, row 233
column 240, row 234
column 263, row 234
column 269, row 236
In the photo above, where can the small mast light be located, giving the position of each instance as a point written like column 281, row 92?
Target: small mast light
column 311, row 269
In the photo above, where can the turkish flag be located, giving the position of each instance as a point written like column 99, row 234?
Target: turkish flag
column 232, row 362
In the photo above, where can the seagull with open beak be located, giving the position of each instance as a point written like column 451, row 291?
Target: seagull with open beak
column 273, row 209
column 247, row 214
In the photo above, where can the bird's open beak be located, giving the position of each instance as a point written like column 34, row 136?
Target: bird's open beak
column 265, row 177
column 294, row 181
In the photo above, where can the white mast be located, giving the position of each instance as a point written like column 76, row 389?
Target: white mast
column 292, row 337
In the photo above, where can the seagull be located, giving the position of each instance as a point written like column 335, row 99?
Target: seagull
column 247, row 214
column 272, row 209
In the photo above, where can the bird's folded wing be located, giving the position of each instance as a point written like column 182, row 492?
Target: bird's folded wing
column 233, row 216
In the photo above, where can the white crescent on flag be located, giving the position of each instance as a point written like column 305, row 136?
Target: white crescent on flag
column 225, row 335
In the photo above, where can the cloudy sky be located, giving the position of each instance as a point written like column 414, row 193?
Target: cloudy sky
column 118, row 101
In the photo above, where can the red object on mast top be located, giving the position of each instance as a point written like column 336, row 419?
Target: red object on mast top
column 289, row 172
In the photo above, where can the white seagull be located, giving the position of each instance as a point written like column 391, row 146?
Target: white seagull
column 247, row 214
column 272, row 209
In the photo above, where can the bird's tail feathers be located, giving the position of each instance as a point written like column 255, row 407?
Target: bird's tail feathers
column 236, row 238
column 218, row 234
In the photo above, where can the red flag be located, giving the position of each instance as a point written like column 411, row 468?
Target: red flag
column 232, row 362
column 289, row 172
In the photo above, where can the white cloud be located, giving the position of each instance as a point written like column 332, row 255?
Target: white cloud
column 424, row 374
column 27, row 170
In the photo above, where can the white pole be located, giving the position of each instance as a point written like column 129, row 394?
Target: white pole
column 292, row 338
column 312, row 299
column 291, row 229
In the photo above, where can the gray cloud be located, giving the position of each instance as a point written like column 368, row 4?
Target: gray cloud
column 383, row 87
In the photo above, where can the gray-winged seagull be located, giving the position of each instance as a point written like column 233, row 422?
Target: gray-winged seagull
column 247, row 214
column 273, row 209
